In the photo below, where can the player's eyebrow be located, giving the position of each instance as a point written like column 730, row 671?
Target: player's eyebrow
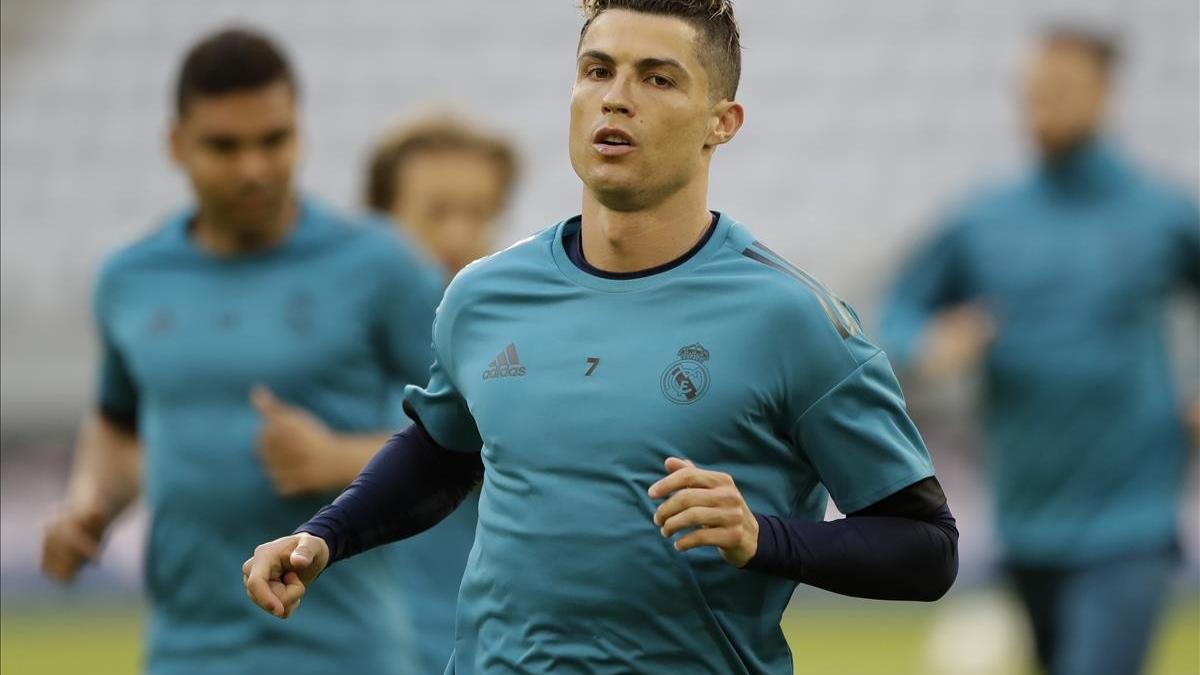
column 221, row 141
column 651, row 62
column 275, row 136
column 643, row 64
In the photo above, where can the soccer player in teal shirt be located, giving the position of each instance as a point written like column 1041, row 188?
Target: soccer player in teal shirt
column 1059, row 282
column 251, row 299
column 442, row 182
column 660, row 401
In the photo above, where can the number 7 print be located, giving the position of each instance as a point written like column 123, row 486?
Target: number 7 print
column 593, row 361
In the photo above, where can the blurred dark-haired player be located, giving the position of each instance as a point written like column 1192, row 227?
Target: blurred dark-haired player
column 252, row 297
column 1059, row 282
column 660, row 401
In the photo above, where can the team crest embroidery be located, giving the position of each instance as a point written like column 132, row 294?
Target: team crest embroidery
column 686, row 381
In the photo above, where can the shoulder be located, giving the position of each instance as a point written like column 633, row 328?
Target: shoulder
column 514, row 269
column 1176, row 203
column 987, row 202
column 373, row 245
column 796, row 308
column 160, row 249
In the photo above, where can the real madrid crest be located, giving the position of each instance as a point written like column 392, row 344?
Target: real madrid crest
column 686, row 380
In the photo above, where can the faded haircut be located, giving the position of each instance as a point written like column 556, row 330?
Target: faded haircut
column 433, row 132
column 719, row 45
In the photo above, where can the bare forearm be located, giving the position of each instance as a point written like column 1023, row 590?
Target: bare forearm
column 350, row 453
column 106, row 473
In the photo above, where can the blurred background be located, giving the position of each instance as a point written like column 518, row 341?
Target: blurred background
column 865, row 121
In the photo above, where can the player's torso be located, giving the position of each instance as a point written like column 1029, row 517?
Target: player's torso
column 1072, row 267
column 579, row 398
column 598, row 390
column 198, row 336
column 1081, row 418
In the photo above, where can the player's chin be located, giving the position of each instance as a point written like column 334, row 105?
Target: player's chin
column 616, row 186
column 253, row 215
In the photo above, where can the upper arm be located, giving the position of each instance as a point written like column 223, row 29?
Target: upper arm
column 407, row 299
column 117, row 391
column 440, row 405
column 1187, row 243
column 859, row 438
column 842, row 407
column 933, row 278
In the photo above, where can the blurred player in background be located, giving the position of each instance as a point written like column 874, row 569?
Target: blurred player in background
column 443, row 183
column 1059, row 283
column 252, row 297
column 660, row 401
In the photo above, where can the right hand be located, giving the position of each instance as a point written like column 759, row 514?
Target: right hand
column 281, row 570
column 71, row 540
column 956, row 341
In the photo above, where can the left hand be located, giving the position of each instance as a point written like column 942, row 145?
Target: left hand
column 710, row 502
column 296, row 448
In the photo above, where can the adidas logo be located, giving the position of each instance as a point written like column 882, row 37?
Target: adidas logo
column 506, row 365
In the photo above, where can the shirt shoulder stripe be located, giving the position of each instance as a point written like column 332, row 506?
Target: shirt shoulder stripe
column 845, row 329
column 844, row 311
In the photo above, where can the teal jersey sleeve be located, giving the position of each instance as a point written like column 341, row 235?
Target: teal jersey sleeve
column 407, row 297
column 117, row 393
column 929, row 281
column 440, row 405
column 860, row 439
column 1187, row 248
column 841, row 405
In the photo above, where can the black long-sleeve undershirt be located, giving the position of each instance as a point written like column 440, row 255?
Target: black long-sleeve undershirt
column 409, row 486
column 904, row 547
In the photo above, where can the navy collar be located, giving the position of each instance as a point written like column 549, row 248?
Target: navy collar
column 573, row 242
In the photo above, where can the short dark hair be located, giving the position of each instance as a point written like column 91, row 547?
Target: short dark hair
column 230, row 60
column 437, row 131
column 720, row 47
column 1103, row 46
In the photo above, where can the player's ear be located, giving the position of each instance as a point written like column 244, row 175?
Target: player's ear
column 727, row 117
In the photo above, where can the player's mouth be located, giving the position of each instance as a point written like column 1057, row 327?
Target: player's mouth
column 612, row 142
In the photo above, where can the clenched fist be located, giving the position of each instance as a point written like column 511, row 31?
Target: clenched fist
column 279, row 572
column 297, row 450
column 72, row 539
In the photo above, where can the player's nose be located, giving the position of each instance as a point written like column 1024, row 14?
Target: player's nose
column 616, row 98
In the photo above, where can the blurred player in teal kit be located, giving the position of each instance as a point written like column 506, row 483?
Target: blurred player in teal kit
column 443, row 182
column 253, row 297
column 662, row 403
column 1059, row 282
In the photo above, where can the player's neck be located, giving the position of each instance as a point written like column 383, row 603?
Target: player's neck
column 224, row 239
column 632, row 241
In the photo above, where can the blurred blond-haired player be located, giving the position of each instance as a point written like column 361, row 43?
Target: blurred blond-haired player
column 443, row 182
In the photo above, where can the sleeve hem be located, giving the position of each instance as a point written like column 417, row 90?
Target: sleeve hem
column 870, row 498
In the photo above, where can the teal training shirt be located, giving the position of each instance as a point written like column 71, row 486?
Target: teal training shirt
column 1075, row 263
column 333, row 320
column 576, row 388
